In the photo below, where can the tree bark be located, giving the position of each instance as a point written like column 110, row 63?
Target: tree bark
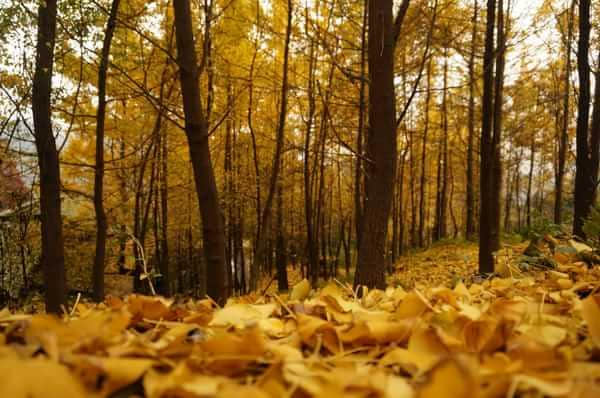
column 313, row 257
column 440, row 229
column 470, row 182
column 486, row 246
column 266, row 214
column 281, row 254
column 497, row 130
column 196, row 130
column 530, row 182
column 358, row 175
column 53, row 258
column 423, row 183
column 582, row 173
column 381, row 147
column 563, row 142
column 101, row 223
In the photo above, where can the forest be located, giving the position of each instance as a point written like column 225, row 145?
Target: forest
column 299, row 198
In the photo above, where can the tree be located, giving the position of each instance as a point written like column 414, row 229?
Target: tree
column 486, row 244
column 563, row 141
column 196, row 130
column 470, row 195
column 101, row 223
column 587, row 139
column 266, row 214
column 53, row 257
column 497, row 128
column 381, row 148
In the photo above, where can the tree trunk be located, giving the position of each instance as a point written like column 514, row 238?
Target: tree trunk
column 251, row 128
column 530, row 182
column 53, row 258
column 358, row 177
column 594, row 157
column 266, row 214
column 486, row 244
column 470, row 182
column 281, row 255
column 308, row 183
column 422, row 198
column 442, row 174
column 563, row 142
column 101, row 224
column 582, row 173
column 381, row 147
column 496, row 192
column 196, row 129
column 165, row 271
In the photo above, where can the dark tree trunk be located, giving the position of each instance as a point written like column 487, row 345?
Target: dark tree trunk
column 196, row 129
column 101, row 223
column 53, row 258
column 281, row 254
column 508, row 200
column 124, row 197
column 440, row 229
column 530, row 182
column 583, row 177
column 251, row 128
column 266, row 214
column 166, row 282
column 563, row 142
column 497, row 130
column 470, row 182
column 423, row 183
column 486, row 243
column 594, row 157
column 381, row 147
column 358, row 172
column 308, row 183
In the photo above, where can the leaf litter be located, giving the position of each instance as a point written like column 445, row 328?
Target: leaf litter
column 435, row 332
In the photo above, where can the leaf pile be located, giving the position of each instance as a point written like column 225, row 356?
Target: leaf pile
column 525, row 335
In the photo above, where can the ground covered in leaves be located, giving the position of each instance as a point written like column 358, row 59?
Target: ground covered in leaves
column 437, row 331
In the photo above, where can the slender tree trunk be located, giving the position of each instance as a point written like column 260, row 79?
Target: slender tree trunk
column 381, row 147
column 228, row 189
column 530, row 182
column 422, row 198
column 582, row 172
column 164, row 242
column 564, row 136
column 358, row 177
column 101, row 224
column 281, row 255
column 266, row 214
column 497, row 130
column 486, row 242
column 308, row 184
column 251, row 127
column 53, row 258
column 594, row 158
column 196, row 129
column 442, row 174
column 518, row 190
column 124, row 198
column 507, row 199
column 470, row 204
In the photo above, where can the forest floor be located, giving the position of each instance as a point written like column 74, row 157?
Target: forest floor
column 532, row 330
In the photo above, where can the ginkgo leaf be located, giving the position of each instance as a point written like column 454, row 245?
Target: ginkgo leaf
column 590, row 310
column 450, row 378
column 301, row 290
column 38, row 378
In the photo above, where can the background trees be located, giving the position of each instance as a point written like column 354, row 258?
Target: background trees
column 309, row 171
